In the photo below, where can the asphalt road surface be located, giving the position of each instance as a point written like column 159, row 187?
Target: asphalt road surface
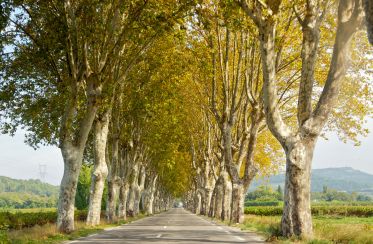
column 174, row 226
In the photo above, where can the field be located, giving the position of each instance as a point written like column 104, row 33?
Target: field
column 38, row 226
column 327, row 229
column 332, row 224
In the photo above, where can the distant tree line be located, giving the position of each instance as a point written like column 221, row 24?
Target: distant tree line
column 264, row 195
column 19, row 200
column 31, row 186
column 329, row 195
column 27, row 194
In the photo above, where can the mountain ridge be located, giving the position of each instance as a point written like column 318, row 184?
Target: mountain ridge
column 340, row 178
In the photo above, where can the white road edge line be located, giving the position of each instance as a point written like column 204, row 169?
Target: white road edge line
column 239, row 238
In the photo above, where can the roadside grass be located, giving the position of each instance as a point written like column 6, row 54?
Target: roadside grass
column 48, row 233
column 327, row 229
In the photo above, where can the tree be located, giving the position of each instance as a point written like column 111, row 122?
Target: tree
column 368, row 7
column 280, row 193
column 63, row 67
column 82, row 190
column 299, row 143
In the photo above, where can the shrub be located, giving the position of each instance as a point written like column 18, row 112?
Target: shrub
column 264, row 210
column 20, row 220
column 262, row 203
column 358, row 211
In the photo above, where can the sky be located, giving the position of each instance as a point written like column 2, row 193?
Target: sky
column 20, row 161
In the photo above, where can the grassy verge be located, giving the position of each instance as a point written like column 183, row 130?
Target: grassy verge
column 327, row 229
column 48, row 233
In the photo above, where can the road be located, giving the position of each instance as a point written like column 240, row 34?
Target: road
column 174, row 226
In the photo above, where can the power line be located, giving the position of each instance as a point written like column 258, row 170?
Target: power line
column 42, row 171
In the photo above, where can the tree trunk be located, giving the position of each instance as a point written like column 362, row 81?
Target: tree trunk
column 212, row 203
column 122, row 208
column 296, row 218
column 368, row 7
column 238, row 203
column 218, row 208
column 100, row 171
column 131, row 200
column 66, row 202
column 156, row 205
column 149, row 203
column 203, row 202
column 206, row 201
column 139, row 189
column 112, row 188
column 133, row 189
column 197, row 203
column 136, row 201
column 148, row 200
column 227, row 197
column 113, row 176
column 72, row 146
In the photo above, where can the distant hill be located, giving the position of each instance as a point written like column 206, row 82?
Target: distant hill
column 342, row 179
column 27, row 193
column 27, row 186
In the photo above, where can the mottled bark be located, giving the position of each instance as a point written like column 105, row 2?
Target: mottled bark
column 111, row 204
column 212, row 203
column 72, row 154
column 124, row 181
column 131, row 200
column 148, row 196
column 123, row 196
column 296, row 218
column 66, row 202
column 100, row 170
column 238, row 200
column 227, row 196
column 368, row 7
column 133, row 188
column 206, row 200
column 197, row 203
column 113, row 179
column 139, row 189
column 219, row 198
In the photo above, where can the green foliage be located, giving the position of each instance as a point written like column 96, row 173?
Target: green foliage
column 333, row 195
column 359, row 211
column 27, row 186
column 265, row 193
column 26, row 194
column 264, row 210
column 82, row 190
column 26, row 200
column 262, row 203
column 160, row 107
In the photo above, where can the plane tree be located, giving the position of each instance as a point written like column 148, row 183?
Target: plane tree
column 298, row 141
column 62, row 67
